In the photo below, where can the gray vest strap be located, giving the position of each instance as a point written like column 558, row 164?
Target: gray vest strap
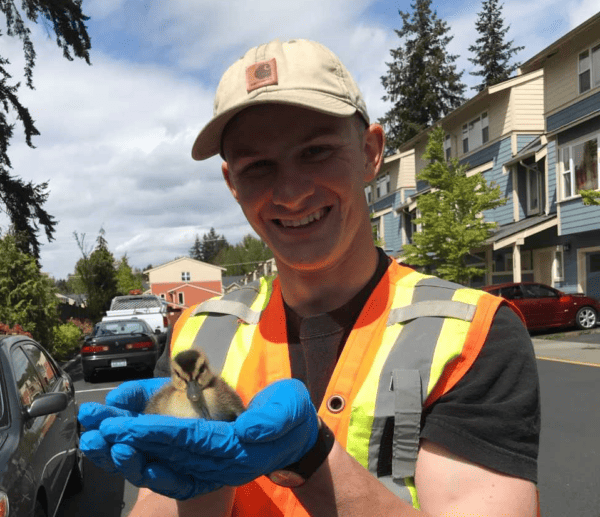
column 216, row 333
column 402, row 389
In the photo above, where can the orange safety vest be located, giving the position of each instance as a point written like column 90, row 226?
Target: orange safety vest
column 448, row 322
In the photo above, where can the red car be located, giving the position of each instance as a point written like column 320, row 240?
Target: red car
column 544, row 307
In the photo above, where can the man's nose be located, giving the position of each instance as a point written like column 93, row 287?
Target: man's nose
column 292, row 186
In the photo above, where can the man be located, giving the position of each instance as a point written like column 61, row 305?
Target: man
column 430, row 389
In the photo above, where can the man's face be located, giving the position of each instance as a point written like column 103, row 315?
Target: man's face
column 299, row 177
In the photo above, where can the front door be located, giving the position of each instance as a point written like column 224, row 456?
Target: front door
column 542, row 265
column 592, row 265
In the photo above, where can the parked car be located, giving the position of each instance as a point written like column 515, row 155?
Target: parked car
column 545, row 307
column 127, row 343
column 39, row 432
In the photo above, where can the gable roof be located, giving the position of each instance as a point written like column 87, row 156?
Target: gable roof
column 184, row 259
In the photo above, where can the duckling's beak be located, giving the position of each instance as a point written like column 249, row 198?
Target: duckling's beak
column 194, row 391
column 196, row 395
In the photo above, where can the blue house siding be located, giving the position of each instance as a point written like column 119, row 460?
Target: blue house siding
column 503, row 152
column 387, row 202
column 579, row 131
column 392, row 232
column 575, row 217
column 523, row 140
column 580, row 109
column 483, row 156
column 551, row 187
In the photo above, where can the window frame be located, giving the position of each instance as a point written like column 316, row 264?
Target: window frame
column 186, row 276
column 448, row 147
column 369, row 194
column 181, row 298
column 558, row 265
column 570, row 172
column 384, row 179
column 538, row 191
column 476, row 132
column 591, row 68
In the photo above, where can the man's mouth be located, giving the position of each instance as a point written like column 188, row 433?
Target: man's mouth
column 305, row 221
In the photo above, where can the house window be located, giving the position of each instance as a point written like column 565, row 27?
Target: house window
column 375, row 229
column 589, row 69
column 534, row 191
column 579, row 164
column 476, row 133
column 558, row 268
column 447, row 147
column 185, row 276
column 410, row 228
column 369, row 194
column 383, row 185
column 181, row 301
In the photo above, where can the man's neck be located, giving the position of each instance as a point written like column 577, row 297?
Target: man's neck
column 315, row 292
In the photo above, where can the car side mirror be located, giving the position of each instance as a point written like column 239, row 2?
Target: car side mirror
column 157, row 331
column 47, row 404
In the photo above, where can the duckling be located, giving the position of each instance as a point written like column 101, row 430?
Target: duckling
column 195, row 391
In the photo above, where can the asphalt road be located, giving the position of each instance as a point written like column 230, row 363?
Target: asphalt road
column 569, row 461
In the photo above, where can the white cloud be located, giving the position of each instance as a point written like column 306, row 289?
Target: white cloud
column 116, row 136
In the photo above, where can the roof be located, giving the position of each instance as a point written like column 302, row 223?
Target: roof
column 514, row 232
column 531, row 149
column 187, row 259
column 537, row 61
column 490, row 90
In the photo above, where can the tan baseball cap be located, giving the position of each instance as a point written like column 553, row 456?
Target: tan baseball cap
column 299, row 72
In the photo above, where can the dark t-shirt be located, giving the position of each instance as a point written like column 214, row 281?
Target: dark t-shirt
column 491, row 417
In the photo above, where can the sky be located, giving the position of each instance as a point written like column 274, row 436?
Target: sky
column 116, row 136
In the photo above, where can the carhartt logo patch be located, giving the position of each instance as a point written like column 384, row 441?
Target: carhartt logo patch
column 263, row 73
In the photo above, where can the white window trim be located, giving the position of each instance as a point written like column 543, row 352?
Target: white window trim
column 533, row 211
column 369, row 194
column 181, row 298
column 558, row 269
column 383, row 180
column 185, row 276
column 447, row 147
column 570, row 145
column 472, row 132
column 590, row 50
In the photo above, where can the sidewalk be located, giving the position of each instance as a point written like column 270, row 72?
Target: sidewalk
column 578, row 352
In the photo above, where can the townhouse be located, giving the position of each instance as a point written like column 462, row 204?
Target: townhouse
column 535, row 135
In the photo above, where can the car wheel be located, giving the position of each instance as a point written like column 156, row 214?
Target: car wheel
column 75, row 483
column 586, row 318
column 39, row 510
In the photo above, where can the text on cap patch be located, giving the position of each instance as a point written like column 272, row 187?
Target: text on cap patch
column 263, row 73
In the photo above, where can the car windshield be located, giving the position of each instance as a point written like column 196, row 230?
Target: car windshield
column 119, row 327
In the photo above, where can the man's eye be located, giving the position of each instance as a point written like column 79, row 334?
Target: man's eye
column 317, row 151
column 258, row 167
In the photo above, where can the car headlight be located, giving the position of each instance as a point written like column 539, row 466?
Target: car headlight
column 4, row 506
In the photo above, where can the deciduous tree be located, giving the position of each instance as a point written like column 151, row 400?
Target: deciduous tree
column 492, row 53
column 422, row 81
column 450, row 215
column 244, row 257
column 23, row 201
column 127, row 280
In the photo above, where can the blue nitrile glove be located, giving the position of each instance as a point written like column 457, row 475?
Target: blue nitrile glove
column 127, row 400
column 185, row 457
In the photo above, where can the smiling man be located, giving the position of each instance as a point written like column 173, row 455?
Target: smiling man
column 371, row 389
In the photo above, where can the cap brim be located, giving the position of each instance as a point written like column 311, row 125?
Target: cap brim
column 208, row 142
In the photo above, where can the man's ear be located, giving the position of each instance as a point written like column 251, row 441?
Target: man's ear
column 226, row 175
column 373, row 146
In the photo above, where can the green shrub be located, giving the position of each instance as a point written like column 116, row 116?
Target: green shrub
column 67, row 340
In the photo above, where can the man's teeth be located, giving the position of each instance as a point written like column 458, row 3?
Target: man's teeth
column 302, row 222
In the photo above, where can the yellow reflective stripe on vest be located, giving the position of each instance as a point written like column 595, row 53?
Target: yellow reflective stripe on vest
column 242, row 340
column 452, row 337
column 187, row 334
column 363, row 407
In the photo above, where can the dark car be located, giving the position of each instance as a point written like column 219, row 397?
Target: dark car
column 39, row 432
column 545, row 307
column 129, row 343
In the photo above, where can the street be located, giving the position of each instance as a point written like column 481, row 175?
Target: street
column 569, row 461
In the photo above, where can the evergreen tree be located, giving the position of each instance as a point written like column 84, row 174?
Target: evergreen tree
column 450, row 215
column 211, row 244
column 492, row 53
column 196, row 249
column 422, row 82
column 97, row 273
column 23, row 201
column 127, row 280
column 27, row 297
